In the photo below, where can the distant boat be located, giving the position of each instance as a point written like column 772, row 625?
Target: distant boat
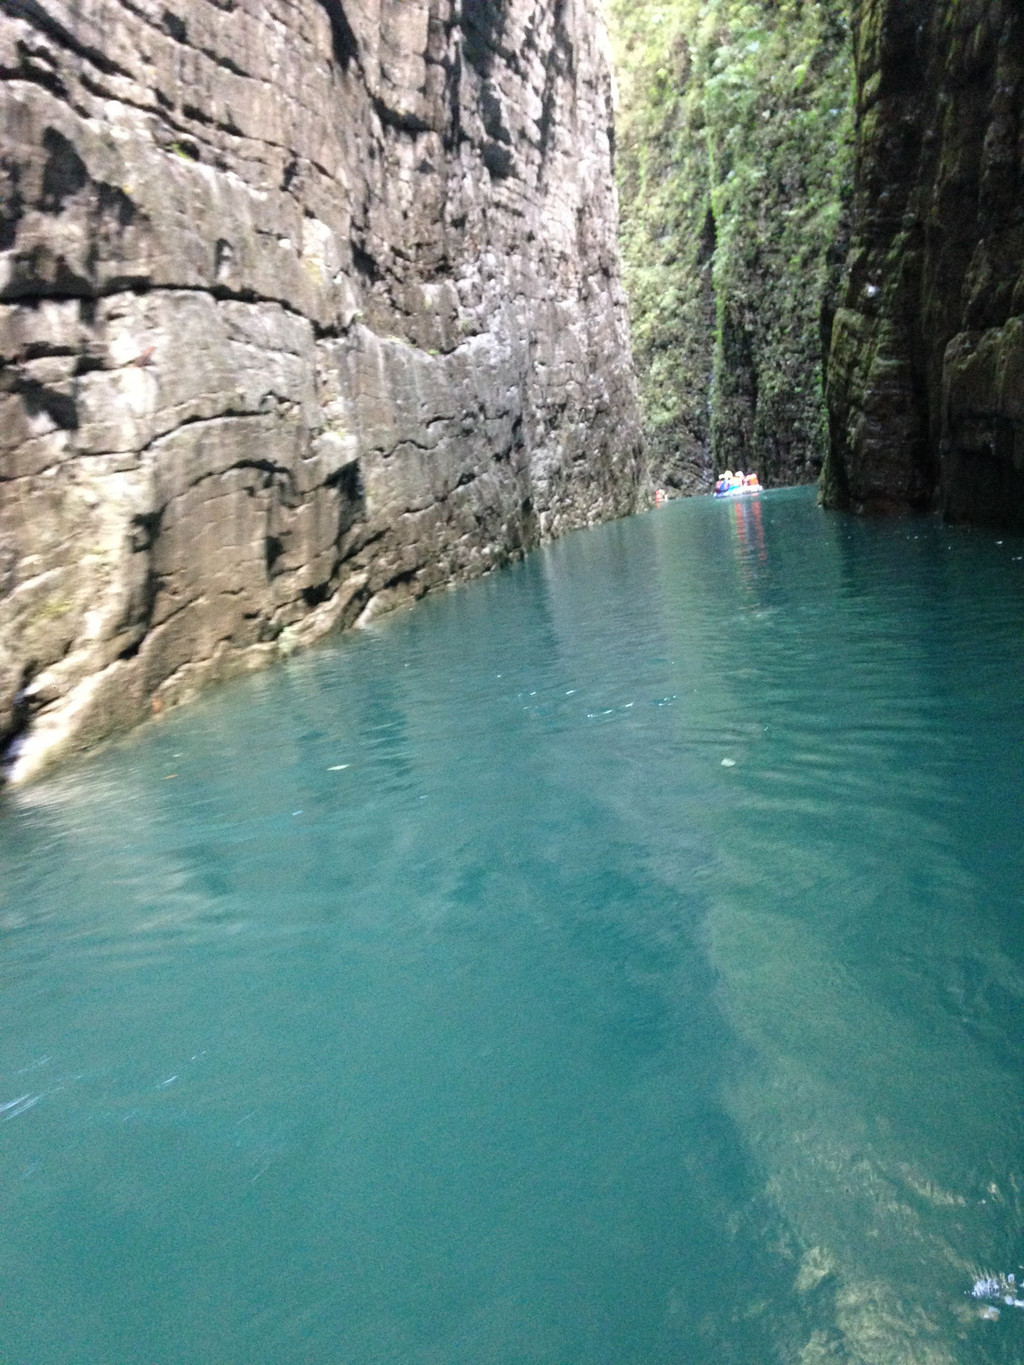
column 736, row 485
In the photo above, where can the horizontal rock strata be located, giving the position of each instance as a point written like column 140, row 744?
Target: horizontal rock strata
column 926, row 372
column 305, row 308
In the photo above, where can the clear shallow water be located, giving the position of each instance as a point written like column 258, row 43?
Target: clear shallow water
column 534, row 1034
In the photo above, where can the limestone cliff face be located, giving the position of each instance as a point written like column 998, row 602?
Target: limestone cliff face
column 306, row 306
column 926, row 372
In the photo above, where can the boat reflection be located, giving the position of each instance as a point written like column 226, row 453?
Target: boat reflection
column 750, row 538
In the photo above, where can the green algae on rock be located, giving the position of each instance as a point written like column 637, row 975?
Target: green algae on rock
column 733, row 162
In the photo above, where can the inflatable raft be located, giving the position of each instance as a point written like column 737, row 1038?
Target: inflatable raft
column 732, row 485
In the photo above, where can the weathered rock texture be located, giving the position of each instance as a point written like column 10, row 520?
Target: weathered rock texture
column 926, row 372
column 734, row 160
column 304, row 308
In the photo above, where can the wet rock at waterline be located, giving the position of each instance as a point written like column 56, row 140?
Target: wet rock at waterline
column 305, row 309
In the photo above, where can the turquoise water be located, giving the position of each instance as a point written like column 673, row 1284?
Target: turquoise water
column 618, row 961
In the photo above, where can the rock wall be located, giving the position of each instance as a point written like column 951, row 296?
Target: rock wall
column 306, row 306
column 734, row 159
column 926, row 370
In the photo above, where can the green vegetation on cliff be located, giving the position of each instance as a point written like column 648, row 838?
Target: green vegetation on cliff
column 734, row 157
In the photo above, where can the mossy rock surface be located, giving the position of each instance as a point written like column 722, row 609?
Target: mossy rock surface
column 926, row 368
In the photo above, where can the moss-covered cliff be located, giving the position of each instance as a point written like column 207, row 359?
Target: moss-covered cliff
column 926, row 375
column 733, row 154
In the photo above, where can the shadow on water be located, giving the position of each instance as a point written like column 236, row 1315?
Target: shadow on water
column 601, row 963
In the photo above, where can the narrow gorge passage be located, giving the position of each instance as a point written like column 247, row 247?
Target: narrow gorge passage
column 823, row 245
column 616, row 961
column 735, row 169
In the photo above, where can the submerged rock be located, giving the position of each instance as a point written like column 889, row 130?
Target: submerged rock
column 305, row 309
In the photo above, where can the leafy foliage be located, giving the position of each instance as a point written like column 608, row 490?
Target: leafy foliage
column 734, row 156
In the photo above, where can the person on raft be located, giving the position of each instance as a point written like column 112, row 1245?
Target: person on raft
column 730, row 481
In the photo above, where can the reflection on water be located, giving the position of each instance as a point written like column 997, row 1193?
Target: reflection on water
column 750, row 540
column 617, row 960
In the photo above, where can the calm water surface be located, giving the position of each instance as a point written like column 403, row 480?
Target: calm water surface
column 619, row 961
